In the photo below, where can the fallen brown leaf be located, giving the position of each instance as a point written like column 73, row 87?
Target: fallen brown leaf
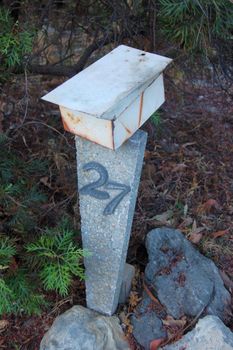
column 134, row 299
column 45, row 182
column 195, row 237
column 124, row 319
column 165, row 218
column 131, row 342
column 188, row 144
column 187, row 222
column 196, row 233
column 206, row 207
column 226, row 280
column 179, row 167
column 2, row 341
column 219, row 233
column 60, row 160
column 3, row 325
column 147, row 155
column 154, row 345
column 171, row 322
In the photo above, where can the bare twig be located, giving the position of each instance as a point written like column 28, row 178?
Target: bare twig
column 26, row 96
column 44, row 124
column 71, row 70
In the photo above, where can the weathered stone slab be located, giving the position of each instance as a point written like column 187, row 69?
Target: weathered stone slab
column 107, row 209
column 185, row 281
column 210, row 333
column 83, row 329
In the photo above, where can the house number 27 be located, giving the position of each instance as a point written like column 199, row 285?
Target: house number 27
column 93, row 190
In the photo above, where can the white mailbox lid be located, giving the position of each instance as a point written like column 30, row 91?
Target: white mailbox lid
column 108, row 86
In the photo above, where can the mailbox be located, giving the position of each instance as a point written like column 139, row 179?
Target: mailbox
column 109, row 100
column 105, row 105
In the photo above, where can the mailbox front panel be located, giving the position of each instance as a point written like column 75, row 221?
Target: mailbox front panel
column 96, row 130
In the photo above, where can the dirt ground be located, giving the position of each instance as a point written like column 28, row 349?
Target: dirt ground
column 186, row 182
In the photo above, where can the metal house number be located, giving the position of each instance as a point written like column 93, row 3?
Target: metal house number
column 93, row 191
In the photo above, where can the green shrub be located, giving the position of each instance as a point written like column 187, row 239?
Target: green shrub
column 15, row 41
column 57, row 259
column 16, row 292
column 196, row 24
column 52, row 260
column 155, row 119
column 20, row 196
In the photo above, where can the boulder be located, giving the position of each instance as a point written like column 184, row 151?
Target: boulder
column 146, row 322
column 209, row 334
column 83, row 329
column 185, row 281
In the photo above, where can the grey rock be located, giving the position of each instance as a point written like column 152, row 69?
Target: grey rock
column 210, row 333
column 107, row 236
column 83, row 329
column 185, row 281
column 128, row 276
column 146, row 323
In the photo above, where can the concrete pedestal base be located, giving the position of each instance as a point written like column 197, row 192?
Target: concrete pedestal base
column 108, row 184
column 126, row 283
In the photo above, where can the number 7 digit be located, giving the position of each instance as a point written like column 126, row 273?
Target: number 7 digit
column 112, row 185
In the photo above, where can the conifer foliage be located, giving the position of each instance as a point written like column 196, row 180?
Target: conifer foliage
column 57, row 259
column 20, row 197
column 16, row 292
column 33, row 259
column 196, row 25
column 15, row 41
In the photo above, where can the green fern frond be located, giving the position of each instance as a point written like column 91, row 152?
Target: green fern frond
column 20, row 197
column 22, row 220
column 16, row 292
column 7, row 251
column 6, row 297
column 56, row 277
column 36, row 167
column 57, row 258
column 33, row 196
column 18, row 296
column 24, row 297
column 3, row 139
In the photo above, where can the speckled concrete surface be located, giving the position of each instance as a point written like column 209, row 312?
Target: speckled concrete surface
column 107, row 237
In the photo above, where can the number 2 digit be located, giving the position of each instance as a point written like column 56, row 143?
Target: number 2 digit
column 90, row 189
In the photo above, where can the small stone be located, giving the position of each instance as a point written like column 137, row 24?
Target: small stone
column 210, row 333
column 185, row 281
column 126, row 283
column 146, row 322
column 7, row 108
column 4, row 324
column 83, row 329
